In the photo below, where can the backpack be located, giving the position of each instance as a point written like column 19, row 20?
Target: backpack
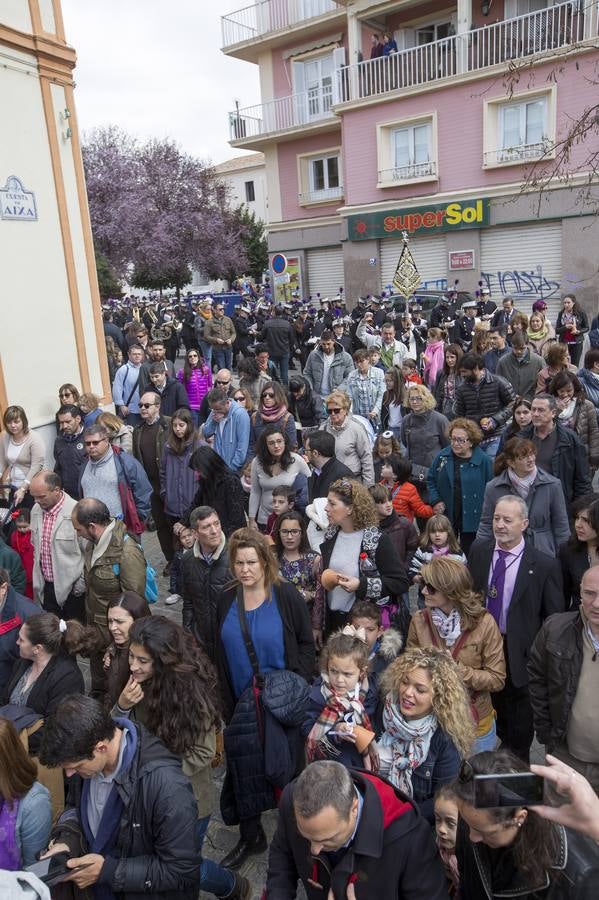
column 151, row 588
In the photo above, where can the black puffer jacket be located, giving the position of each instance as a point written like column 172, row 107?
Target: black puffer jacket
column 553, row 673
column 491, row 397
column 307, row 409
column 156, row 854
column 202, row 585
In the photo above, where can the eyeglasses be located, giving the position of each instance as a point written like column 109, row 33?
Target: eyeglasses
column 459, row 440
column 290, row 532
column 94, row 443
column 66, row 394
column 147, row 405
column 430, row 589
column 334, row 409
column 222, row 383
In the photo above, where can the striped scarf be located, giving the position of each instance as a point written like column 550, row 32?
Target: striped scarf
column 337, row 708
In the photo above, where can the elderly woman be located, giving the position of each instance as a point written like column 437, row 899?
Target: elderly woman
column 358, row 552
column 427, row 724
column 352, row 444
column 455, row 620
column 557, row 361
column 272, row 410
column 541, row 334
column 576, row 412
column 518, row 476
column 582, row 549
column 507, row 851
column 423, row 430
column 571, row 326
column 457, row 479
column 22, row 454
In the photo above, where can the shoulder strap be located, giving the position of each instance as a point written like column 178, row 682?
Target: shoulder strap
column 128, row 401
column 460, row 643
column 431, row 628
column 251, row 650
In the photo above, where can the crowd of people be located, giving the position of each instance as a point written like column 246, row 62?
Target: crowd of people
column 382, row 537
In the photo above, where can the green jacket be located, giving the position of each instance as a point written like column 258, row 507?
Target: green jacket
column 101, row 581
column 11, row 561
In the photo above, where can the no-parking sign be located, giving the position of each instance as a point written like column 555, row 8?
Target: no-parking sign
column 279, row 263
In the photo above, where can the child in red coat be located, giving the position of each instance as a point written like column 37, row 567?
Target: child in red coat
column 20, row 540
column 395, row 474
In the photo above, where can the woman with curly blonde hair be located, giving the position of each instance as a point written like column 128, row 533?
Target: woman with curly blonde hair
column 359, row 554
column 455, row 620
column 427, row 725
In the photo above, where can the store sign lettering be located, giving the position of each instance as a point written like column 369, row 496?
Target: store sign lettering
column 422, row 220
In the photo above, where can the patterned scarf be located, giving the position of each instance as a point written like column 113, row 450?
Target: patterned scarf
column 337, row 708
column 272, row 413
column 449, row 627
column 450, row 863
column 522, row 486
column 409, row 742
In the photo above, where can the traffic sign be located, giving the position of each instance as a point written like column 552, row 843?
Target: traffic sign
column 279, row 263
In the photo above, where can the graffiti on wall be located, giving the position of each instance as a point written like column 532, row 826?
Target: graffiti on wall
column 522, row 284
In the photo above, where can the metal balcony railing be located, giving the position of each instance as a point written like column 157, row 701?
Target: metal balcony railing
column 268, row 16
column 281, row 114
column 481, row 48
column 406, row 173
column 323, row 196
column 521, row 154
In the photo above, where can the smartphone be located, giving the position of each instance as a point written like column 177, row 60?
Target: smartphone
column 508, row 790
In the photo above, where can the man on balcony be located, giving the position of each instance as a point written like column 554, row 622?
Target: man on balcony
column 376, row 48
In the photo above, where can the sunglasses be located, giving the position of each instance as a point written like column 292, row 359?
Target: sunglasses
column 239, row 399
column 146, row 405
column 430, row 589
column 268, row 395
column 334, row 409
column 66, row 394
column 222, row 383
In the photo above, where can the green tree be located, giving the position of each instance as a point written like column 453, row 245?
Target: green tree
column 109, row 284
column 254, row 242
column 148, row 279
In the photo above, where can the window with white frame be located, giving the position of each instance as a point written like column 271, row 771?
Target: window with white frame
column 522, row 129
column 320, row 177
column 412, row 151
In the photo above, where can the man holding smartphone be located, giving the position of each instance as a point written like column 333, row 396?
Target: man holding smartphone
column 130, row 819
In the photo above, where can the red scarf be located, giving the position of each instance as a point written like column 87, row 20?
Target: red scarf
column 272, row 413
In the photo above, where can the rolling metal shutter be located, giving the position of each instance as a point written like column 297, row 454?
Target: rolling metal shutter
column 524, row 261
column 325, row 271
column 429, row 254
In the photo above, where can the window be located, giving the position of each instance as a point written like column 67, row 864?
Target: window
column 250, row 193
column 433, row 32
column 407, row 151
column 319, row 177
column 521, row 130
column 314, row 86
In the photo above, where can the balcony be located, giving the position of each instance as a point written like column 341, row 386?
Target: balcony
column 482, row 48
column 327, row 195
column 248, row 127
column 403, row 174
column 269, row 19
column 513, row 156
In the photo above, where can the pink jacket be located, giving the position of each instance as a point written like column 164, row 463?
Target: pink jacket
column 434, row 357
column 198, row 386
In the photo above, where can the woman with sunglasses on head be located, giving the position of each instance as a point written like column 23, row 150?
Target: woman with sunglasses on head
column 196, row 377
column 517, row 475
column 509, row 851
column 272, row 410
column 275, row 465
column 454, row 620
column 301, row 566
column 427, row 725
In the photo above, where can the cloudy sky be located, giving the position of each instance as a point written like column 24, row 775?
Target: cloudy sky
column 154, row 67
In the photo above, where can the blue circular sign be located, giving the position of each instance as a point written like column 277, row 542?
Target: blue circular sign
column 279, row 263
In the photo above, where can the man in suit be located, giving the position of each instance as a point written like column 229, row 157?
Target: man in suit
column 522, row 587
column 319, row 449
column 504, row 315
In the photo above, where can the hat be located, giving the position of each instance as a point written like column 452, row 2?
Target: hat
column 485, row 290
column 469, row 304
column 339, row 322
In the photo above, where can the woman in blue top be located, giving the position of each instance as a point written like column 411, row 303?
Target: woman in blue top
column 278, row 624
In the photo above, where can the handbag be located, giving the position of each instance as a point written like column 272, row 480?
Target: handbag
column 130, row 515
column 454, row 652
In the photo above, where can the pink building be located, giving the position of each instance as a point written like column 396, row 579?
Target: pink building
column 434, row 130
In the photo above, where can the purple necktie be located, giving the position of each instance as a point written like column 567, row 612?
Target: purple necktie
column 496, row 588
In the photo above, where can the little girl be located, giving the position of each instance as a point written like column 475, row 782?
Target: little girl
column 434, row 356
column 20, row 540
column 339, row 700
column 446, row 826
column 386, row 444
column 301, row 566
column 438, row 539
column 395, row 474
